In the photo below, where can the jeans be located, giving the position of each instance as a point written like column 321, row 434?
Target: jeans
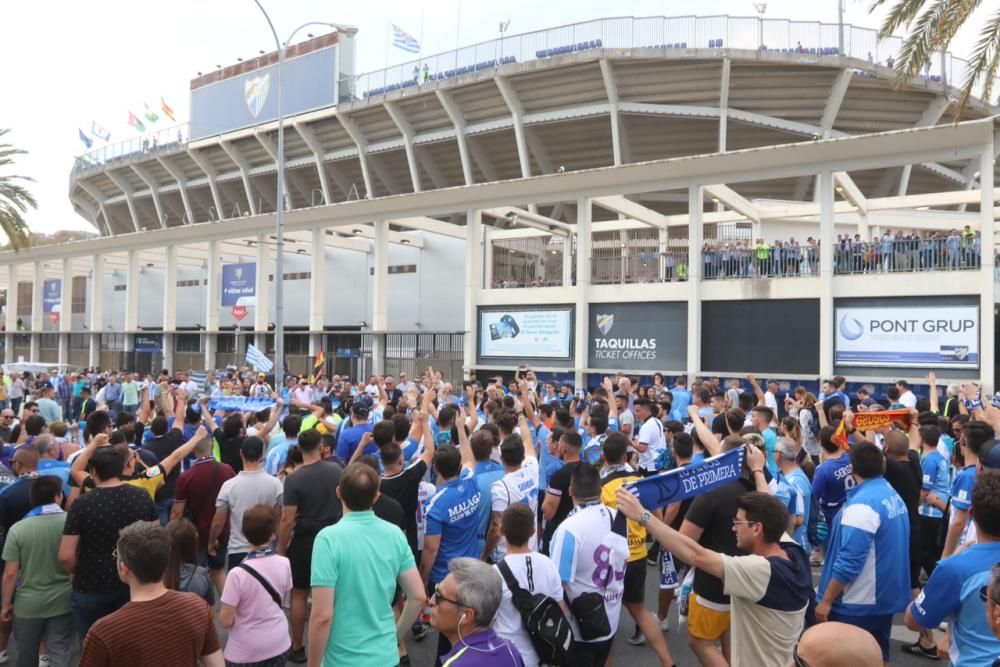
column 88, row 608
column 15, row 405
column 163, row 509
column 131, row 409
column 59, row 634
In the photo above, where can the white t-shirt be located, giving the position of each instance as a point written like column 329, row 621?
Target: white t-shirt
column 535, row 573
column 771, row 402
column 520, row 486
column 589, row 555
column 425, row 492
column 625, row 418
column 248, row 489
column 908, row 399
column 651, row 434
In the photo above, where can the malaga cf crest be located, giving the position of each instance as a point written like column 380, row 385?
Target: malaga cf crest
column 604, row 323
column 255, row 93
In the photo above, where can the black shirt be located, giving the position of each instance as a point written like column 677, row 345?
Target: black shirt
column 404, row 488
column 906, row 477
column 390, row 511
column 163, row 446
column 229, row 449
column 15, row 502
column 714, row 512
column 559, row 482
column 312, row 490
column 97, row 517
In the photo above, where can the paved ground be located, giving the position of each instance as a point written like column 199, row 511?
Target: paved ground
column 422, row 654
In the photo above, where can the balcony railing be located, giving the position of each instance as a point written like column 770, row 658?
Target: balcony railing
column 942, row 253
column 159, row 141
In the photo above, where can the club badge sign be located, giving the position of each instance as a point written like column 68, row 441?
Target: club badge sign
column 239, row 284
column 637, row 335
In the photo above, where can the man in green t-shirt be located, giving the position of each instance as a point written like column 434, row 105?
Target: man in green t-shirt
column 41, row 609
column 356, row 565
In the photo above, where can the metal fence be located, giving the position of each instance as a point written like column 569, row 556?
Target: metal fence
column 901, row 255
column 153, row 143
column 536, row 261
column 741, row 260
column 681, row 32
column 636, row 256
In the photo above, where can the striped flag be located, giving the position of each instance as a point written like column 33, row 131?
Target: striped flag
column 134, row 121
column 167, row 111
column 404, row 40
column 320, row 363
column 258, row 359
column 87, row 141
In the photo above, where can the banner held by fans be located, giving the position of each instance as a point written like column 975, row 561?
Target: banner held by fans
column 689, row 481
column 240, row 403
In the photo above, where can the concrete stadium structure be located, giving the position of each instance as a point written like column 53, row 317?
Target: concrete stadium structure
column 581, row 155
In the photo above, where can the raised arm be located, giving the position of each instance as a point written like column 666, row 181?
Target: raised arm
column 468, row 460
column 529, row 442
column 427, row 451
column 274, row 417
column 145, row 411
column 176, row 456
column 932, row 384
column 79, row 468
column 757, row 391
column 366, row 439
column 709, row 440
column 206, row 414
column 612, row 403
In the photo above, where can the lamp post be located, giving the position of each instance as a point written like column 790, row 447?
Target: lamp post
column 761, row 7
column 279, row 259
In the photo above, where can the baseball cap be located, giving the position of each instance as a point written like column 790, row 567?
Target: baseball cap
column 44, row 385
column 261, row 375
column 989, row 454
column 360, row 409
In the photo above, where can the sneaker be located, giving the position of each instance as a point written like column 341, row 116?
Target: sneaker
column 420, row 632
column 916, row 649
column 4, row 658
column 665, row 624
column 404, row 661
column 43, row 661
column 297, row 655
column 637, row 638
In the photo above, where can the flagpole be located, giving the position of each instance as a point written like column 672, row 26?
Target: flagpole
column 388, row 39
column 458, row 31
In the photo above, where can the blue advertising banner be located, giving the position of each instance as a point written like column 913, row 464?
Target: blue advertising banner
column 51, row 296
column 239, row 284
column 149, row 343
column 689, row 481
column 240, row 403
column 252, row 98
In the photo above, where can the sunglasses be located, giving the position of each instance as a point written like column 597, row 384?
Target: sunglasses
column 438, row 598
column 984, row 595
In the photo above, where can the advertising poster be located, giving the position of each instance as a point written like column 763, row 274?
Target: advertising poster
column 908, row 336
column 239, row 284
column 522, row 333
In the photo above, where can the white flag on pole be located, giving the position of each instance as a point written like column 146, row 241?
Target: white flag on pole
column 258, row 359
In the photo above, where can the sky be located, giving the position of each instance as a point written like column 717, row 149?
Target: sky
column 97, row 60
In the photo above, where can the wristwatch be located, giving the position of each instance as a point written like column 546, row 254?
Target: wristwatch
column 645, row 517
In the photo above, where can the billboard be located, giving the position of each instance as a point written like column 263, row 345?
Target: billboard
column 907, row 336
column 152, row 343
column 252, row 98
column 239, row 284
column 51, row 296
column 526, row 333
column 637, row 336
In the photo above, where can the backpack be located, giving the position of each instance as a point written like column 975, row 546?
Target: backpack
column 814, row 422
column 543, row 618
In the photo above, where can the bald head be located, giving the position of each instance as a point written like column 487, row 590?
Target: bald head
column 896, row 444
column 834, row 644
column 27, row 460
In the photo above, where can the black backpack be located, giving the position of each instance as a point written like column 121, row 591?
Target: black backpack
column 547, row 625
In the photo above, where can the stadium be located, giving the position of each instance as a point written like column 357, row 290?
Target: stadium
column 586, row 198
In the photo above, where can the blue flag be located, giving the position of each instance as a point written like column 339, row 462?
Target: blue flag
column 87, row 141
column 689, row 481
column 240, row 403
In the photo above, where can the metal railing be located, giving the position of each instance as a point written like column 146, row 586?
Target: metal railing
column 743, row 260
column 158, row 141
column 684, row 32
column 903, row 255
column 529, row 262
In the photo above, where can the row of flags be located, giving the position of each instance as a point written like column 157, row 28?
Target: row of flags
column 98, row 131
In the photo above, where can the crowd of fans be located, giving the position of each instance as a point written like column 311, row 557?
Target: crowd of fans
column 140, row 514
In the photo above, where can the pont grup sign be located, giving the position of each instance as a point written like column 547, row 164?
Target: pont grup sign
column 908, row 336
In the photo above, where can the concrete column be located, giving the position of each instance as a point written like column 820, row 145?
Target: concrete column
column 584, row 245
column 380, row 295
column 170, row 289
column 261, row 315
column 567, row 267
column 37, row 316
column 473, row 283
column 95, row 302
column 488, row 259
column 65, row 310
column 212, row 303
column 131, row 294
column 696, row 235
column 11, row 315
column 168, row 351
column 826, row 240
column 987, row 291
column 317, row 284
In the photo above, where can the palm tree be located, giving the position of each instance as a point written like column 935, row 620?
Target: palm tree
column 932, row 24
column 15, row 200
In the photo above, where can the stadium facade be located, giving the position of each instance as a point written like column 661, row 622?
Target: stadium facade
column 568, row 198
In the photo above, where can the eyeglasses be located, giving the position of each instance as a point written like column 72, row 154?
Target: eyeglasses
column 438, row 598
column 984, row 595
column 745, row 523
column 114, row 553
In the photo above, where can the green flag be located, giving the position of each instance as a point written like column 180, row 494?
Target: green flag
column 151, row 115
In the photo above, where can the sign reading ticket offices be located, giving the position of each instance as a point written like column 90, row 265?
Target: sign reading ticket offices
column 526, row 333
column 637, row 336
column 908, row 336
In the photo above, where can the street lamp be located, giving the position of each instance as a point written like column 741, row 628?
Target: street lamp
column 761, row 7
column 279, row 259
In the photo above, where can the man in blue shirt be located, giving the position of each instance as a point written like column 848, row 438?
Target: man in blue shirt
column 953, row 591
column 934, row 495
column 452, row 516
column 277, row 453
column 974, row 436
column 762, row 417
column 799, row 491
column 681, row 400
column 351, row 436
column 486, row 472
column 832, row 479
column 866, row 576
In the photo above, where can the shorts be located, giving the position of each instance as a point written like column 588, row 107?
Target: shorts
column 705, row 623
column 216, row 562
column 668, row 572
column 300, row 552
column 234, row 560
column 590, row 654
column 635, row 582
column 879, row 627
